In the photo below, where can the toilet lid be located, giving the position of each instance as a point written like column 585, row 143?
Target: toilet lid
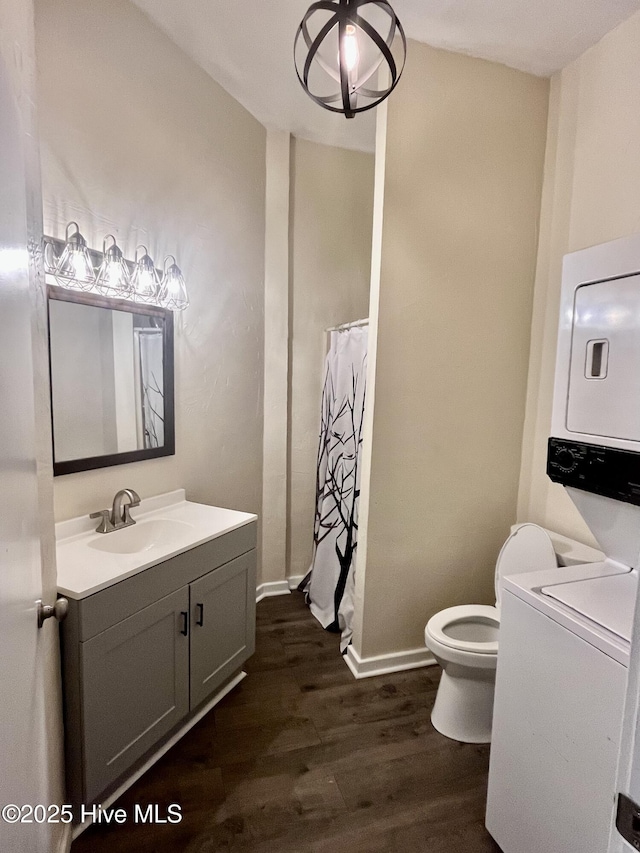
column 528, row 549
column 467, row 628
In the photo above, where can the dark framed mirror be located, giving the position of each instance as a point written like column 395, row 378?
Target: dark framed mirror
column 112, row 381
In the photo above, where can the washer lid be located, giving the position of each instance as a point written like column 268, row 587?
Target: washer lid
column 609, row 601
column 528, row 549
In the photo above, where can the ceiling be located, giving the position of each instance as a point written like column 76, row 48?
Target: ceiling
column 247, row 47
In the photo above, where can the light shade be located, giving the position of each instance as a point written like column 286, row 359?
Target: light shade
column 145, row 284
column 339, row 47
column 113, row 275
column 173, row 289
column 74, row 268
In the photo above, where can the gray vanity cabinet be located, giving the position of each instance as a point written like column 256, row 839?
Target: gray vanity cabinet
column 144, row 654
column 222, row 606
column 135, row 688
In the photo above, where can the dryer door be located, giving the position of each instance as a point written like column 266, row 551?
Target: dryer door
column 604, row 384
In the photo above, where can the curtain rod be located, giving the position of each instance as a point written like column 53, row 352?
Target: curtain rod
column 346, row 326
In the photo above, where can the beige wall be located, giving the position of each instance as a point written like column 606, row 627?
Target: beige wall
column 465, row 149
column 276, row 358
column 591, row 192
column 331, row 221
column 137, row 140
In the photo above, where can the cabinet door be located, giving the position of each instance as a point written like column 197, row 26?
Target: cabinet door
column 223, row 607
column 135, row 688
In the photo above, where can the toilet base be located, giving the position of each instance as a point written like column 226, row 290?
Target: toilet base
column 463, row 709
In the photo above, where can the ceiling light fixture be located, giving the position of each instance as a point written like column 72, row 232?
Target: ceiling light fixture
column 346, row 42
column 113, row 275
column 74, row 268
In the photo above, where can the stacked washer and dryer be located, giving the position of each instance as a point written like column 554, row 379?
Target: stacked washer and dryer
column 565, row 633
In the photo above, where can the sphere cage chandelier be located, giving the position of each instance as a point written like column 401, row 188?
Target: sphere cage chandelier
column 346, row 42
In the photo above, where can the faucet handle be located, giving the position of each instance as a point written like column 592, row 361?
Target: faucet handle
column 105, row 525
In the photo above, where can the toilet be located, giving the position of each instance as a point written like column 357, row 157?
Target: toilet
column 464, row 641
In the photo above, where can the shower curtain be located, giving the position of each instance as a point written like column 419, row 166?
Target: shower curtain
column 150, row 386
column 329, row 585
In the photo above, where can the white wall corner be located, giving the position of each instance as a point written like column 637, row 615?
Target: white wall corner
column 294, row 581
column 271, row 588
column 367, row 440
column 384, row 664
column 276, row 359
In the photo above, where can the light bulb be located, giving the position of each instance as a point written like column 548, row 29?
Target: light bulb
column 145, row 283
column 113, row 275
column 350, row 48
column 78, row 263
column 173, row 291
column 74, row 268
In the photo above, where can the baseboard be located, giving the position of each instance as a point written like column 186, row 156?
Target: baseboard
column 266, row 590
column 295, row 580
column 64, row 843
column 383, row 664
column 79, row 829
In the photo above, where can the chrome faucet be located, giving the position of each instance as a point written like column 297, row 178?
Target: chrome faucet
column 118, row 516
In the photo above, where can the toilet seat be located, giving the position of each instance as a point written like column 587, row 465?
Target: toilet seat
column 464, row 641
column 527, row 549
column 441, row 627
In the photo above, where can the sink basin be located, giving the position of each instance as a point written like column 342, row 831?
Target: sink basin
column 166, row 525
column 143, row 536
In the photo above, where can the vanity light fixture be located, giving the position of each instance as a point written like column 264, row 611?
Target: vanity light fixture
column 113, row 276
column 173, row 289
column 74, row 268
column 145, row 284
column 345, row 42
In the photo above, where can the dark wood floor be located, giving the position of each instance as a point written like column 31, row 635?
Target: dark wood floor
column 302, row 757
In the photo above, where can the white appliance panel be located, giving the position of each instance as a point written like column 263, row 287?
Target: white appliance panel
column 556, row 730
column 615, row 524
column 596, row 267
column 604, row 383
column 609, row 602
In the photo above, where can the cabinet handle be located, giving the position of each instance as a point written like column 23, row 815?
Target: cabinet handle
column 200, row 619
column 185, row 623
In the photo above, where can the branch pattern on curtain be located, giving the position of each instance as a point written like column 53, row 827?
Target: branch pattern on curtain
column 150, row 387
column 329, row 585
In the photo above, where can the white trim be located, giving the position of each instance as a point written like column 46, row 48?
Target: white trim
column 78, row 830
column 294, row 581
column 64, row 843
column 266, row 590
column 383, row 664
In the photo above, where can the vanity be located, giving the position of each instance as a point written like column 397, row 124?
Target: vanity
column 160, row 594
column 161, row 619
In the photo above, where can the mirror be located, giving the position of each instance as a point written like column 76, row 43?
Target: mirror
column 111, row 368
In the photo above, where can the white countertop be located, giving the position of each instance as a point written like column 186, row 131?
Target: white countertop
column 84, row 568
